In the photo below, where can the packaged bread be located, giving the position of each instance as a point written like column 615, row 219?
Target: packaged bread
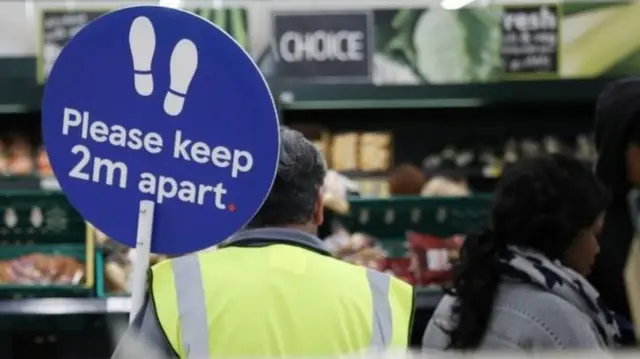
column 440, row 186
column 344, row 152
column 6, row 275
column 336, row 188
column 116, row 275
column 44, row 166
column 380, row 139
column 70, row 271
column 20, row 157
column 374, row 159
column 373, row 187
column 375, row 151
column 119, row 267
column 42, row 269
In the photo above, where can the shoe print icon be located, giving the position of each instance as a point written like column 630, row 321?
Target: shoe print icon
column 142, row 43
column 182, row 68
column 182, row 65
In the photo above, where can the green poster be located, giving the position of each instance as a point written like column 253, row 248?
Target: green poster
column 600, row 39
column 504, row 43
column 419, row 46
column 471, row 45
column 232, row 20
column 58, row 26
column 530, row 41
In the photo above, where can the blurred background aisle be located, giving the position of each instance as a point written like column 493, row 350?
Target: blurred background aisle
column 417, row 128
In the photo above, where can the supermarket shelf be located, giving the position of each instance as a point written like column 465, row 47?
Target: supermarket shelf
column 365, row 174
column 49, row 183
column 427, row 298
column 305, row 96
column 11, row 183
column 65, row 306
column 466, row 172
column 472, row 172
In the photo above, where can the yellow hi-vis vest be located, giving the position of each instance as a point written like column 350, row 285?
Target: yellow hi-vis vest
column 276, row 301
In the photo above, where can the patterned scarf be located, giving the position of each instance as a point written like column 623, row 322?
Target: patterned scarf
column 532, row 267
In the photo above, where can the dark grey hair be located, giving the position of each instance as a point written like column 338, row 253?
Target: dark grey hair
column 294, row 195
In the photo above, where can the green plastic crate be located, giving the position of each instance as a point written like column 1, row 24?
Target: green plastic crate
column 43, row 222
column 59, row 222
column 388, row 219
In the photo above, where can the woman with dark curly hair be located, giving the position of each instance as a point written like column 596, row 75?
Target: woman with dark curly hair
column 521, row 285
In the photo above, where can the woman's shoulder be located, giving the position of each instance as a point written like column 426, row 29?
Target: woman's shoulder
column 523, row 317
column 549, row 316
column 524, row 300
column 535, row 301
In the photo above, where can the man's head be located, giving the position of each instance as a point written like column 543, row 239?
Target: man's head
column 295, row 199
column 617, row 135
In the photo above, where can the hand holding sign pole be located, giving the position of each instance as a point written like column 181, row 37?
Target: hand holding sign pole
column 165, row 136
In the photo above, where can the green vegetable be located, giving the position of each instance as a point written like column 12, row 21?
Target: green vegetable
column 233, row 21
column 572, row 8
column 604, row 45
column 239, row 27
column 465, row 49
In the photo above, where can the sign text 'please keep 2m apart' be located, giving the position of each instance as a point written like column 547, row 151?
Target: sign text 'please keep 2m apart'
column 115, row 172
column 154, row 103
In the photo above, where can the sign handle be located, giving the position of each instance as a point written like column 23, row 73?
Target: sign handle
column 142, row 254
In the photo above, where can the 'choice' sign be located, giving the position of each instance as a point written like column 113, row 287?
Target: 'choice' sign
column 322, row 45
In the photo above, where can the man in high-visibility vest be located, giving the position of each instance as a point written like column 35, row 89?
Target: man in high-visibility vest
column 272, row 290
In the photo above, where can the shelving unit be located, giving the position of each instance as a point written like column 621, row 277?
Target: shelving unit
column 422, row 118
column 65, row 306
column 294, row 96
column 426, row 299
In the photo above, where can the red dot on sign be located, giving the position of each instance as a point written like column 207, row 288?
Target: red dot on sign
column 231, row 207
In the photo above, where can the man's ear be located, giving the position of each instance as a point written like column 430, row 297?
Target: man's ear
column 318, row 215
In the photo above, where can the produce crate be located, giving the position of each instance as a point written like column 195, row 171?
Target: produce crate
column 389, row 218
column 46, row 223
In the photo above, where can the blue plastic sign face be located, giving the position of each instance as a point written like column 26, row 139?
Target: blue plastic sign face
column 154, row 103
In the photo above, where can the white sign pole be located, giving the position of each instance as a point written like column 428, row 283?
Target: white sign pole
column 141, row 262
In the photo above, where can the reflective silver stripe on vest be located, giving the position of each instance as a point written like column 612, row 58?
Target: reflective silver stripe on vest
column 192, row 306
column 381, row 329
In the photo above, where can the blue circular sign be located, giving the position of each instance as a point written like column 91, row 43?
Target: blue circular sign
column 154, row 103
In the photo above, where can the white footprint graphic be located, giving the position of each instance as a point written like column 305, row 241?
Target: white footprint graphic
column 183, row 65
column 142, row 42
